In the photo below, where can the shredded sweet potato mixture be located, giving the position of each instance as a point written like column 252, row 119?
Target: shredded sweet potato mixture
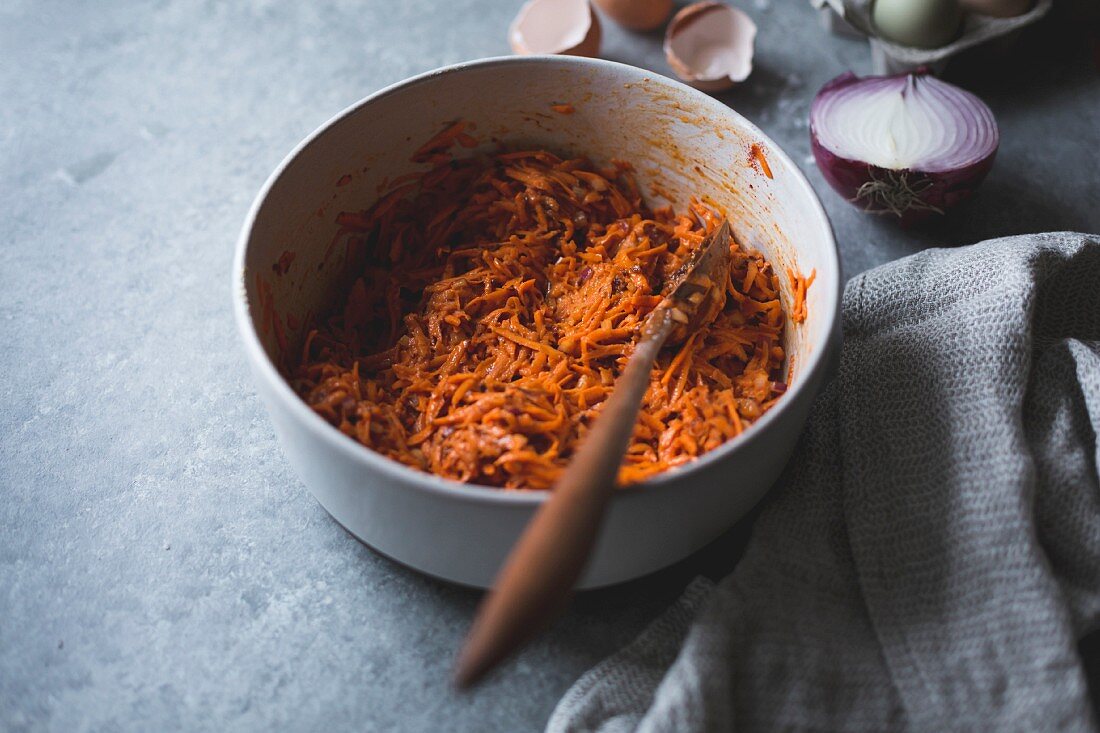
column 494, row 300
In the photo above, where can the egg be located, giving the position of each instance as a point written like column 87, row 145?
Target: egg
column 636, row 15
column 555, row 27
column 997, row 8
column 710, row 45
column 917, row 23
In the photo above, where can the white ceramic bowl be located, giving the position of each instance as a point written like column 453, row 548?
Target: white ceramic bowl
column 683, row 144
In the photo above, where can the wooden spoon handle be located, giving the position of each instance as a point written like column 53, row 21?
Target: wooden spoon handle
column 537, row 578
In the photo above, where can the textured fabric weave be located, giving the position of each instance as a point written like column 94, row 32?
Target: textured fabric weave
column 932, row 554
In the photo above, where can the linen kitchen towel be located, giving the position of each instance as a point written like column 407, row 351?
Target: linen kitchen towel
column 932, row 553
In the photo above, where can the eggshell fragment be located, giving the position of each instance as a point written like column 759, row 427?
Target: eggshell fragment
column 710, row 45
column 555, row 27
column 636, row 15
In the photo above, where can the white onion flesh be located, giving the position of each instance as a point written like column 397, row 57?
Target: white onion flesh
column 908, row 145
column 906, row 122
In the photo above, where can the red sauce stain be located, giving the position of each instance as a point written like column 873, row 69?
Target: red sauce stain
column 263, row 296
column 344, row 180
column 536, row 121
column 282, row 265
column 758, row 161
column 280, row 335
column 269, row 318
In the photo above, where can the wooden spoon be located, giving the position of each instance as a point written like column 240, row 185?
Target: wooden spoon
column 535, row 582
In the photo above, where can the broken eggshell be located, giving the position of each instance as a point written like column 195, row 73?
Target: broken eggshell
column 555, row 27
column 710, row 45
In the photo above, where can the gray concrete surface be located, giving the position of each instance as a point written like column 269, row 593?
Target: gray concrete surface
column 160, row 566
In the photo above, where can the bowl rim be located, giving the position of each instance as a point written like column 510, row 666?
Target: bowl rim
column 265, row 369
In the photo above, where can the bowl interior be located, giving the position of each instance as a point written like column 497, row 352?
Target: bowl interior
column 683, row 144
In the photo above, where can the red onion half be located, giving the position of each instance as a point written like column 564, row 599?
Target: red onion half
column 908, row 145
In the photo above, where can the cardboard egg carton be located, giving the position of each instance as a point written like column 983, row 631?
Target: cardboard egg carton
column 853, row 17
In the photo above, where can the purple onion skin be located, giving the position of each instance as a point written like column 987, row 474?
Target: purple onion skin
column 944, row 190
column 941, row 190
